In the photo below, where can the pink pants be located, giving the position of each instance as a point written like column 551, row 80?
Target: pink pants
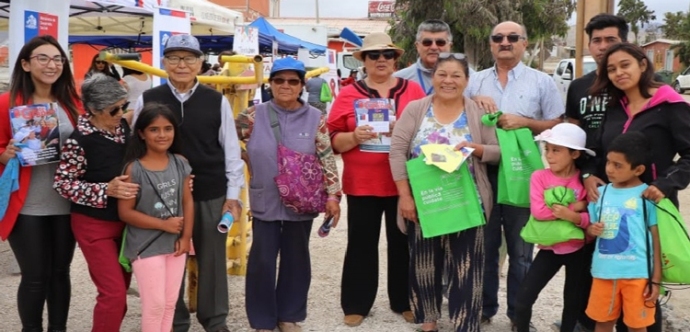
column 159, row 278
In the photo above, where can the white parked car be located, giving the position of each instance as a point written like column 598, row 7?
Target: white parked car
column 682, row 82
column 565, row 70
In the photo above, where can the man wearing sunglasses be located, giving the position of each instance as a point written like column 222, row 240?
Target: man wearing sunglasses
column 528, row 99
column 433, row 38
column 211, row 145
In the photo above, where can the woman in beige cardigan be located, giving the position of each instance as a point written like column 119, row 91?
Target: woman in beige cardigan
column 446, row 117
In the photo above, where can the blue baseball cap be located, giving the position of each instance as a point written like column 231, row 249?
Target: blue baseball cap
column 187, row 43
column 288, row 64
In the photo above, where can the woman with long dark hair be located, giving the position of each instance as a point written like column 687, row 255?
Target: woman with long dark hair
column 639, row 103
column 103, row 67
column 37, row 221
column 89, row 177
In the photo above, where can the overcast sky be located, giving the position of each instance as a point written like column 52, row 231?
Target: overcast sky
column 358, row 8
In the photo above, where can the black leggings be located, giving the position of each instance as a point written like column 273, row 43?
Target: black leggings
column 44, row 247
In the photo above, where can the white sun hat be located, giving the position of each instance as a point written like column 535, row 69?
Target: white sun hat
column 566, row 134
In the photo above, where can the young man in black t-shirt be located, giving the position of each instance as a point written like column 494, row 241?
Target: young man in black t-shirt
column 583, row 109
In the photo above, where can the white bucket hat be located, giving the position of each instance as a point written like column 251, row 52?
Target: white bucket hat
column 566, row 134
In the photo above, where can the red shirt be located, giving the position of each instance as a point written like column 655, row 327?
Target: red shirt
column 18, row 197
column 366, row 173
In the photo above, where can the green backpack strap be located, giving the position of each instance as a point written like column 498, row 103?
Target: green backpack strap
column 491, row 119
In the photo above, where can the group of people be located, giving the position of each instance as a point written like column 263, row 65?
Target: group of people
column 604, row 142
column 149, row 189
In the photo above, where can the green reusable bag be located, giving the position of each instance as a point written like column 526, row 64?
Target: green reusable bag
column 675, row 244
column 550, row 232
column 520, row 157
column 446, row 203
column 124, row 261
column 326, row 94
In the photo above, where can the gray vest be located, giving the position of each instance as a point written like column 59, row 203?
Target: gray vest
column 298, row 128
column 169, row 185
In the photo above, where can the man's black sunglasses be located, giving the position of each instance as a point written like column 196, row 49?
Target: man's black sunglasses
column 512, row 38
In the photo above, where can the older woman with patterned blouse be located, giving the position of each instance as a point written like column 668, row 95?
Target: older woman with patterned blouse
column 277, row 228
column 445, row 117
column 89, row 176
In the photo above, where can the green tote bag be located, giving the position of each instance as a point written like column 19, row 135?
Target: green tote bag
column 446, row 203
column 550, row 232
column 675, row 244
column 520, row 157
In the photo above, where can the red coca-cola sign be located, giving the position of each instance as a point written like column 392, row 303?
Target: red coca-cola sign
column 381, row 8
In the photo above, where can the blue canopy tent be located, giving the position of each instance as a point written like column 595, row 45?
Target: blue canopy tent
column 268, row 32
column 208, row 44
column 351, row 37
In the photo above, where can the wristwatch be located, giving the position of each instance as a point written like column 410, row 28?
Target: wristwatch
column 586, row 175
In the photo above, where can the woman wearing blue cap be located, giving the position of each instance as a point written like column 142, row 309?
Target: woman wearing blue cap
column 277, row 228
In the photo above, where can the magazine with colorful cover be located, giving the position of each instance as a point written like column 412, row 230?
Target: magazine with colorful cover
column 379, row 113
column 36, row 131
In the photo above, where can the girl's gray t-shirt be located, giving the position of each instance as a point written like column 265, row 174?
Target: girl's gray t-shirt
column 167, row 184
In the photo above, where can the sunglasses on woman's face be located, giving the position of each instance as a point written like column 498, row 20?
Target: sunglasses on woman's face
column 375, row 55
column 512, row 38
column 117, row 109
column 281, row 81
column 440, row 42
column 446, row 55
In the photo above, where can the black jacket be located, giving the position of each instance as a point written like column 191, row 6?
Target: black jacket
column 666, row 123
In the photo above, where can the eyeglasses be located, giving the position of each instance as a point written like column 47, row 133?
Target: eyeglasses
column 174, row 60
column 512, row 38
column 440, row 42
column 281, row 81
column 99, row 62
column 117, row 109
column 375, row 55
column 45, row 59
column 457, row 56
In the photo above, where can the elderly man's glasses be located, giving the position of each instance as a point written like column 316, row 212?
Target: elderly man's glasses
column 440, row 42
column 174, row 60
column 44, row 59
column 512, row 38
column 281, row 81
column 375, row 55
column 117, row 109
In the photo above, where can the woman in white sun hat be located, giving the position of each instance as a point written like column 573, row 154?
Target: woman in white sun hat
column 564, row 149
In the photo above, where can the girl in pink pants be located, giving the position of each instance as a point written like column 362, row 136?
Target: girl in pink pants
column 160, row 219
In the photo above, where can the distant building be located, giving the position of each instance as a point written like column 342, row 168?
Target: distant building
column 252, row 9
column 662, row 56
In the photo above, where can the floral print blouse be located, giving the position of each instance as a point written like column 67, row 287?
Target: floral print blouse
column 433, row 132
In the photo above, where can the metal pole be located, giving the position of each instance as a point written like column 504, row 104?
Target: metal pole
column 317, row 11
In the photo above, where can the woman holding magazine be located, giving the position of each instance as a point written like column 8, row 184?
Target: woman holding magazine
column 36, row 220
column 89, row 177
column 446, row 117
column 367, row 180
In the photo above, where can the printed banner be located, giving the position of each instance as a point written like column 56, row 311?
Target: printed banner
column 166, row 23
column 31, row 18
column 39, row 24
column 246, row 41
column 332, row 76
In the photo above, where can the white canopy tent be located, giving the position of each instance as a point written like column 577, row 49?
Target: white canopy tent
column 120, row 17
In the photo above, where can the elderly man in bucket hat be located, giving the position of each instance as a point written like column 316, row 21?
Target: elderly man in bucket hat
column 211, row 145
column 368, row 183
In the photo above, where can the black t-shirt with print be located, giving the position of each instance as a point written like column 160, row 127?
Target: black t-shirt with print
column 580, row 105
